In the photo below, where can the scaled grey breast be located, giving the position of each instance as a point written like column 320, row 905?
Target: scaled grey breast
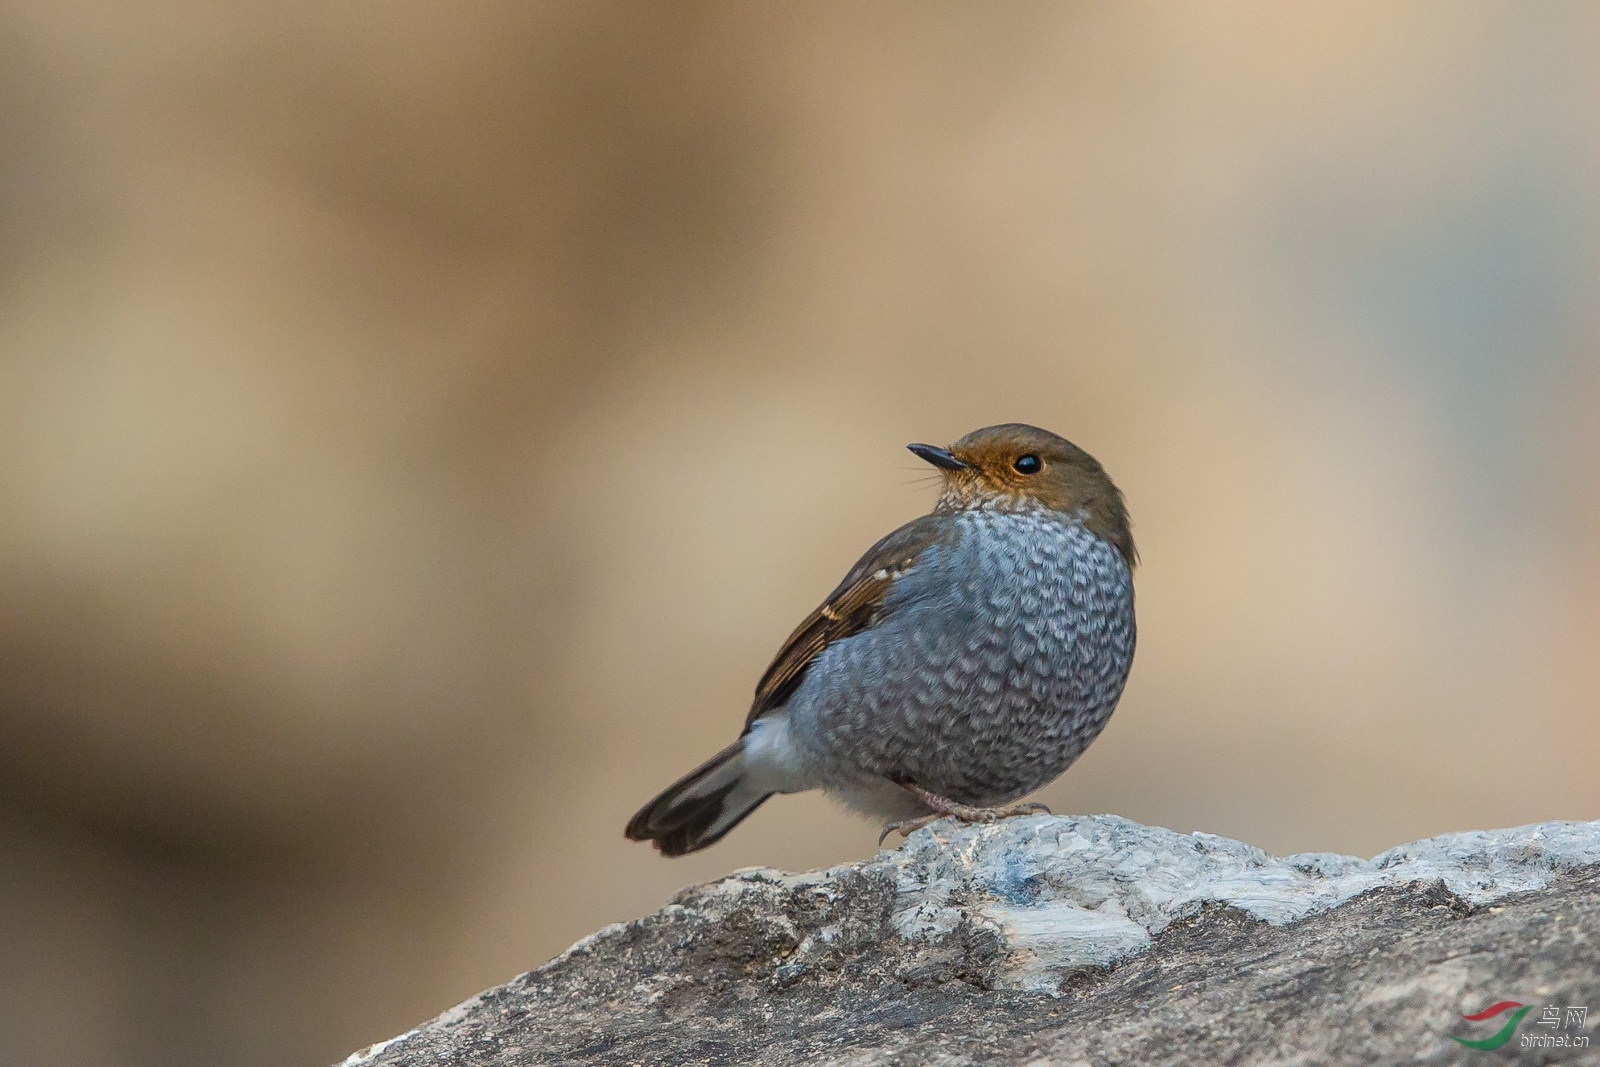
column 1007, row 648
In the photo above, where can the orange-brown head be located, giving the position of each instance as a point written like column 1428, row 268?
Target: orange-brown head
column 1016, row 467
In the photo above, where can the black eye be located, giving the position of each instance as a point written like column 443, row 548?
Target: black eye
column 1028, row 464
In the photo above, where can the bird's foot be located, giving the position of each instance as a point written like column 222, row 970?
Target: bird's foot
column 944, row 806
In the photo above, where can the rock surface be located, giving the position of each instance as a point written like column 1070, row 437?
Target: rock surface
column 1052, row 940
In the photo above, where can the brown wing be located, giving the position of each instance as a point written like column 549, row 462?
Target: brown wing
column 849, row 609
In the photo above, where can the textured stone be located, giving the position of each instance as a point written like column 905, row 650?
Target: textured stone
column 1066, row 940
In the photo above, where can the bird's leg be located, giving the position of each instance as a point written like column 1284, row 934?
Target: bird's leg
column 943, row 806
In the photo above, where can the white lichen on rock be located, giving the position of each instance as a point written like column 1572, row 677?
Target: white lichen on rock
column 1065, row 893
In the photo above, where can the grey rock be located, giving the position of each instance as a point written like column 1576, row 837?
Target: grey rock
column 1051, row 940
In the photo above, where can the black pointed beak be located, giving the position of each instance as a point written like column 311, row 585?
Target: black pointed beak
column 939, row 457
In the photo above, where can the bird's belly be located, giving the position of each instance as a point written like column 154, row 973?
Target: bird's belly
column 990, row 735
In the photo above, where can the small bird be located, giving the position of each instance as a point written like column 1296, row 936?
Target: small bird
column 965, row 661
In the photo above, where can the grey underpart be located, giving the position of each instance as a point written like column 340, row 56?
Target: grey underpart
column 1059, row 940
column 999, row 657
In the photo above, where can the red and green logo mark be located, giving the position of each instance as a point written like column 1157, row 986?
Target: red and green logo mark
column 1504, row 1033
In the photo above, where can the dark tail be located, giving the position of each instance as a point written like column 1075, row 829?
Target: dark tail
column 698, row 809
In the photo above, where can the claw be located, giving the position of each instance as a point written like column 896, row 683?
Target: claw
column 908, row 826
column 1008, row 811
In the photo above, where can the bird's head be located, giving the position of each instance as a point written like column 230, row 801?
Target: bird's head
column 1016, row 467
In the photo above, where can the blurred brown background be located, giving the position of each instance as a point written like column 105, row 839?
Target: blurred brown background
column 419, row 424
